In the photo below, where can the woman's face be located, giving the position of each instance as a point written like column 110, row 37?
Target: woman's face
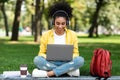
column 60, row 24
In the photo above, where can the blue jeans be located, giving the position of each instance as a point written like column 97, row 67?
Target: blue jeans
column 59, row 67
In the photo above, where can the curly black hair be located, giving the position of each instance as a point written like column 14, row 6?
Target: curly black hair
column 60, row 6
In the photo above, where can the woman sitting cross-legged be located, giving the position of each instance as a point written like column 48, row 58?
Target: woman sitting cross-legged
column 59, row 34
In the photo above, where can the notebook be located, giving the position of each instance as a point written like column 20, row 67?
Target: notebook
column 59, row 52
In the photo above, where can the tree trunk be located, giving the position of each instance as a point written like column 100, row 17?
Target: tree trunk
column 75, row 26
column 49, row 23
column 16, row 21
column 95, row 17
column 37, row 23
column 41, row 27
column 5, row 18
column 32, row 24
column 96, row 31
column 41, row 13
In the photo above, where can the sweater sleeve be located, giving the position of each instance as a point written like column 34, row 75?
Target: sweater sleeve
column 43, row 43
column 75, row 42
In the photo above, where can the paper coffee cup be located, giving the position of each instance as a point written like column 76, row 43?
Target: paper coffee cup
column 23, row 70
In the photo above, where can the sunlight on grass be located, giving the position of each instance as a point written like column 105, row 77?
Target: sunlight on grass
column 101, row 39
column 16, row 42
column 22, row 40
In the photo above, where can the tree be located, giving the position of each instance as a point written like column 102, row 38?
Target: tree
column 2, row 7
column 16, row 21
column 109, row 17
column 41, row 15
column 94, row 23
column 78, row 10
column 30, row 10
column 37, row 22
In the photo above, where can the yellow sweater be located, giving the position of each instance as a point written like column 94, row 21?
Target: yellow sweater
column 48, row 38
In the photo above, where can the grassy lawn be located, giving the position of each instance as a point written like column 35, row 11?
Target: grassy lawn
column 12, row 54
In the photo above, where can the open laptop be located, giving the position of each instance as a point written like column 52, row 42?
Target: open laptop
column 59, row 52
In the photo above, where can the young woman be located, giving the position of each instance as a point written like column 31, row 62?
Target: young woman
column 61, row 13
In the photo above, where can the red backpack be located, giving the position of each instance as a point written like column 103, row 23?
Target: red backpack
column 101, row 63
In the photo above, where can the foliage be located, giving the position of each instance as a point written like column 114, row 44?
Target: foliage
column 3, row 1
column 109, row 14
column 1, row 20
column 30, row 6
column 82, row 11
column 79, row 7
column 9, row 7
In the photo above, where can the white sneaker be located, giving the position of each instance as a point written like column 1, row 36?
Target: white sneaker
column 39, row 73
column 74, row 73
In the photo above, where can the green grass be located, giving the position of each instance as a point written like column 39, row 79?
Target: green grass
column 88, row 45
column 12, row 54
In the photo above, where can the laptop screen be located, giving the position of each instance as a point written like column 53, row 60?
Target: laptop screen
column 59, row 52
